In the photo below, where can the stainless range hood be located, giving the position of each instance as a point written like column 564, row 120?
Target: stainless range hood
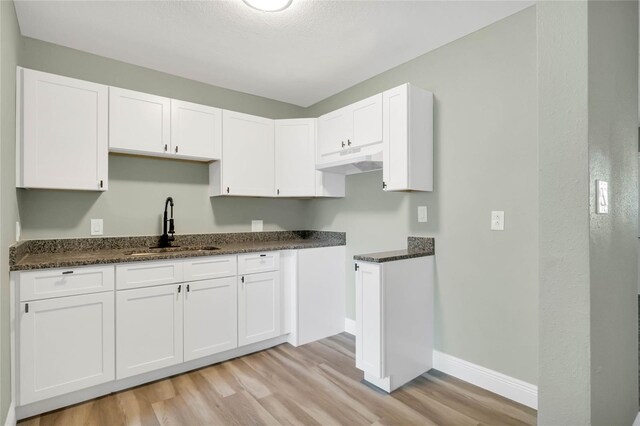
column 366, row 162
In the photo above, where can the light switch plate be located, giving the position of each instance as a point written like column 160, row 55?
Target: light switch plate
column 256, row 226
column 422, row 213
column 97, row 227
column 497, row 220
column 602, row 197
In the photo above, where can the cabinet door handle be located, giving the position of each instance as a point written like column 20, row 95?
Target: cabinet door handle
column 188, row 289
column 242, row 280
column 176, row 149
column 343, row 144
column 384, row 185
column 263, row 255
column 26, row 308
column 166, row 147
column 179, row 288
column 101, row 183
column 357, row 267
column 278, row 192
column 349, row 142
column 227, row 189
column 67, row 272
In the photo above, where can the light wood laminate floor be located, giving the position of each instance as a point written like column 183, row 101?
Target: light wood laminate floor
column 315, row 384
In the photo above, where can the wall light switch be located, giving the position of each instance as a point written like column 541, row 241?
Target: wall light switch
column 256, row 226
column 422, row 213
column 497, row 220
column 602, row 197
column 96, row 227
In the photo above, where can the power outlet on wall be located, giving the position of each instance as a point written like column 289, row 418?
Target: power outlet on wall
column 256, row 226
column 422, row 213
column 97, row 227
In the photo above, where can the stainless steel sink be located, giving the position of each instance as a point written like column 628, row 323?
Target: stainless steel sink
column 151, row 251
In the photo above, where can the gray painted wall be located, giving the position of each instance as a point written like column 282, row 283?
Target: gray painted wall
column 9, row 36
column 613, row 145
column 485, row 159
column 588, row 81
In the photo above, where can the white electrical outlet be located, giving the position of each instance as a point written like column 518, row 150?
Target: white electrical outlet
column 497, row 220
column 422, row 213
column 97, row 227
column 256, row 226
column 602, row 197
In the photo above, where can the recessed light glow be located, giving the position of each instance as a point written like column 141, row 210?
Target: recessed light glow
column 269, row 5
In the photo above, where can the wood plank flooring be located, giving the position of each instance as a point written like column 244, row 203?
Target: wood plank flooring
column 315, row 384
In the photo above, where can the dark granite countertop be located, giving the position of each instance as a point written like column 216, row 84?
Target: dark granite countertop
column 44, row 254
column 416, row 247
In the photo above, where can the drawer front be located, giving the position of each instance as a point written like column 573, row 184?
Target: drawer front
column 148, row 274
column 258, row 262
column 206, row 268
column 48, row 283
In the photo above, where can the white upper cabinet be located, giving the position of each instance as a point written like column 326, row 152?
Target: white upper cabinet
column 407, row 139
column 139, row 123
column 248, row 148
column 295, row 159
column 196, row 130
column 350, row 131
column 62, row 133
column 367, row 122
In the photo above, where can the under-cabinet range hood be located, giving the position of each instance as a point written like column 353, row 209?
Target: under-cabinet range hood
column 352, row 164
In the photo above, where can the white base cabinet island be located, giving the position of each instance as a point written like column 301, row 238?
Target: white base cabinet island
column 394, row 320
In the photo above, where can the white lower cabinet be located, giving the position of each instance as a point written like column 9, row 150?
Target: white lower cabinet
column 149, row 329
column 394, row 320
column 66, row 344
column 258, row 307
column 210, row 317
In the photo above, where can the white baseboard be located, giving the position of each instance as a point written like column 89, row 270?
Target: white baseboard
column 11, row 415
column 509, row 387
column 350, row 326
column 636, row 422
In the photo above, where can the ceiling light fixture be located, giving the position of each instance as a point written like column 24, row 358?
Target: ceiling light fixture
column 269, row 5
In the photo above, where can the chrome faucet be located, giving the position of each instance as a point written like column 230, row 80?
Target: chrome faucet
column 166, row 239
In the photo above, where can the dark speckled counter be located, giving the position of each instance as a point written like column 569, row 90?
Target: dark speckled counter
column 416, row 247
column 44, row 254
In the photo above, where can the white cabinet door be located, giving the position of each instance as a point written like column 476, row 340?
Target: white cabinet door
column 258, row 307
column 367, row 122
column 62, row 132
column 210, row 317
column 66, row 344
column 248, row 167
column 407, row 139
column 295, row 157
column 334, row 132
column 369, row 318
column 196, row 130
column 149, row 329
column 139, row 123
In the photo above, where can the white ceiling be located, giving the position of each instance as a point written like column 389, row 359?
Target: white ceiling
column 301, row 55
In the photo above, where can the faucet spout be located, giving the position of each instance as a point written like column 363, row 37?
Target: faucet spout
column 167, row 235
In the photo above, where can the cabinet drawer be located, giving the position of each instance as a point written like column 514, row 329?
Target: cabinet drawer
column 50, row 283
column 205, row 268
column 258, row 262
column 147, row 274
